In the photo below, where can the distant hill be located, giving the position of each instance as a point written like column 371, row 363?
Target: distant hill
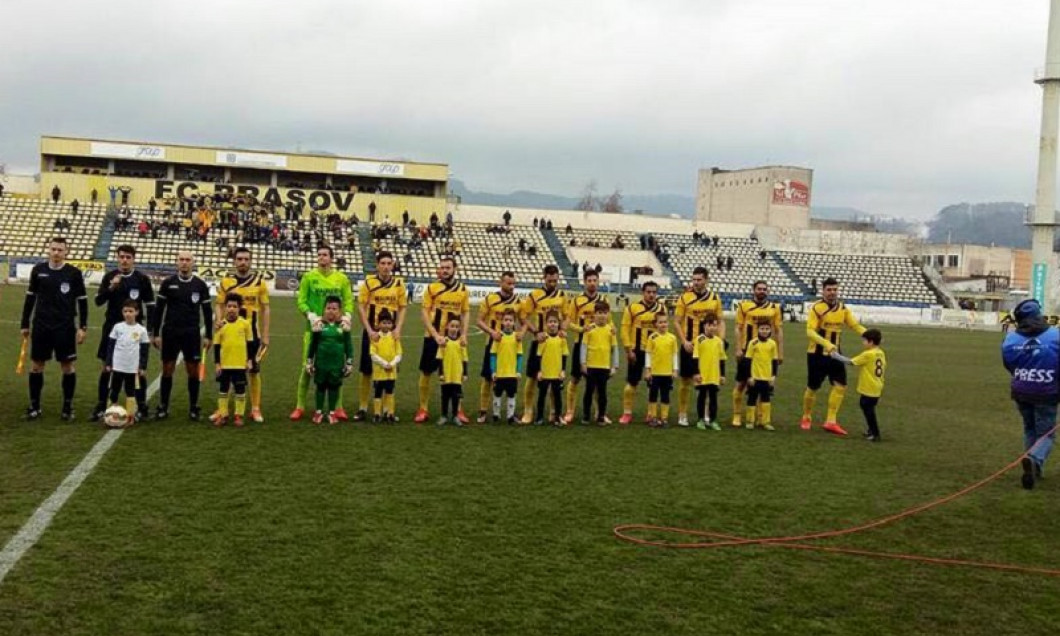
column 998, row 224
column 826, row 213
column 658, row 204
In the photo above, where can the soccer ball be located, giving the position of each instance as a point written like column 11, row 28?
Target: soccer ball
column 116, row 417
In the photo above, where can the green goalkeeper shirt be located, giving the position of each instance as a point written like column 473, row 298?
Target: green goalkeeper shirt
column 331, row 348
column 316, row 286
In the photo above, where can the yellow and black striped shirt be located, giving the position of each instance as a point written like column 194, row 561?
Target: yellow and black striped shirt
column 750, row 314
column 824, row 325
column 692, row 308
column 493, row 307
column 541, row 301
column 377, row 296
column 580, row 313
column 638, row 322
column 254, row 291
column 443, row 302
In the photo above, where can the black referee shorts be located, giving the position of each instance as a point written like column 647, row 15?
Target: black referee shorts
column 820, row 366
column 576, row 362
column 61, row 342
column 101, row 350
column 486, row 373
column 689, row 367
column 429, row 362
column 365, row 365
column 533, row 363
column 635, row 369
column 187, row 342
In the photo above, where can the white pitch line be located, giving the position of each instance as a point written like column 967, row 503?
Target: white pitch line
column 28, row 535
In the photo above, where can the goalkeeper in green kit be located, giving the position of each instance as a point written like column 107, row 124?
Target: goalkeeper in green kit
column 313, row 292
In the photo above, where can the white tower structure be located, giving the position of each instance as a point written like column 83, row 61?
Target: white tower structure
column 1043, row 223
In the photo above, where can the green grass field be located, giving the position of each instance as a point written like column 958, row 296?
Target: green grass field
column 290, row 528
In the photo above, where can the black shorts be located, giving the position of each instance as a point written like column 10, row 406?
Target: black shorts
column 188, row 343
column 820, row 366
column 252, row 354
column 635, row 370
column 533, row 363
column 505, row 386
column 365, row 365
column 486, row 373
column 61, row 342
column 383, row 387
column 101, row 350
column 576, row 362
column 689, row 366
column 743, row 370
column 233, row 378
column 429, row 362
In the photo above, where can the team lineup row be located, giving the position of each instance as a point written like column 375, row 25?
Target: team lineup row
column 183, row 321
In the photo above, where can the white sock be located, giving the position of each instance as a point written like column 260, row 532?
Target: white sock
column 496, row 406
column 511, row 407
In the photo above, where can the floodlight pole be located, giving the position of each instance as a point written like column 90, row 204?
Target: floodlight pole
column 1043, row 224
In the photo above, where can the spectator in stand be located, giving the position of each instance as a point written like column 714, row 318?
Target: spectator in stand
column 449, row 219
column 457, row 246
column 56, row 193
column 728, row 263
column 535, row 221
column 599, row 268
column 73, row 207
column 532, row 250
column 522, row 245
column 152, row 204
column 142, row 228
column 405, row 218
column 569, row 230
column 715, row 240
column 720, row 262
column 548, row 225
column 574, row 242
column 125, row 190
column 95, row 195
column 574, row 269
column 371, row 212
column 2, row 190
column 507, row 214
column 761, row 255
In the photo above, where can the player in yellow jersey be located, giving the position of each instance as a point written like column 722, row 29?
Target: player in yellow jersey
column 552, row 352
column 662, row 362
column 537, row 304
column 824, row 326
column 580, row 316
column 749, row 315
column 638, row 322
column 232, row 358
column 452, row 362
column 692, row 308
column 599, row 361
column 506, row 362
column 446, row 299
column 380, row 291
column 495, row 305
column 873, row 365
column 385, row 354
column 709, row 355
column 254, row 291
column 764, row 354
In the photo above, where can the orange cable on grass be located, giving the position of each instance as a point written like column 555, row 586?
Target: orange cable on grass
column 625, row 532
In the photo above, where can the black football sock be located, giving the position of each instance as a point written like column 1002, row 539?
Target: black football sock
column 165, row 389
column 36, row 386
column 69, row 384
column 103, row 388
column 193, row 391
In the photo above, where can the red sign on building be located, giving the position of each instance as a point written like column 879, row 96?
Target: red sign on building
column 788, row 192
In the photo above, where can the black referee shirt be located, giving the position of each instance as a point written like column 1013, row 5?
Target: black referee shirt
column 180, row 304
column 55, row 294
column 134, row 286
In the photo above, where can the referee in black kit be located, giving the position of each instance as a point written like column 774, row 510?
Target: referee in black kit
column 56, row 294
column 118, row 286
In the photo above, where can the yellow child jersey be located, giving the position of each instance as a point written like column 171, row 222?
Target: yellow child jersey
column 762, row 353
column 233, row 337
column 824, row 324
column 638, row 322
column 580, row 312
column 443, row 302
column 873, row 365
column 710, row 352
column 493, row 307
column 663, row 347
column 387, row 348
column 749, row 314
column 540, row 302
column 376, row 295
column 692, row 308
column 599, row 343
column 552, row 353
column 507, row 352
column 254, row 291
column 454, row 361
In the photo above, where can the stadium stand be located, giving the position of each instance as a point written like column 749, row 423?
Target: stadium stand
column 591, row 237
column 483, row 251
column 870, row 279
column 161, row 246
column 26, row 225
column 748, row 265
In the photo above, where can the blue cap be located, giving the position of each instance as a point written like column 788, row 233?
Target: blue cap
column 1029, row 308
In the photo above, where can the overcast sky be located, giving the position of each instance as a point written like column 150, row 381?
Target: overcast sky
column 900, row 107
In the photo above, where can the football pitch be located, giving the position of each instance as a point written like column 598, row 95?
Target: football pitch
column 287, row 527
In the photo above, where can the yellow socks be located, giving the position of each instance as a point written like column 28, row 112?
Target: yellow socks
column 572, row 396
column 750, row 416
column 835, row 400
column 683, row 392
column 388, row 404
column 425, row 390
column 664, row 411
column 485, row 395
column 737, row 403
column 765, row 411
column 254, row 383
column 653, row 409
column 365, row 391
column 529, row 398
column 628, row 393
column 222, row 405
column 241, row 403
column 809, row 398
column 377, row 406
column 130, row 405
